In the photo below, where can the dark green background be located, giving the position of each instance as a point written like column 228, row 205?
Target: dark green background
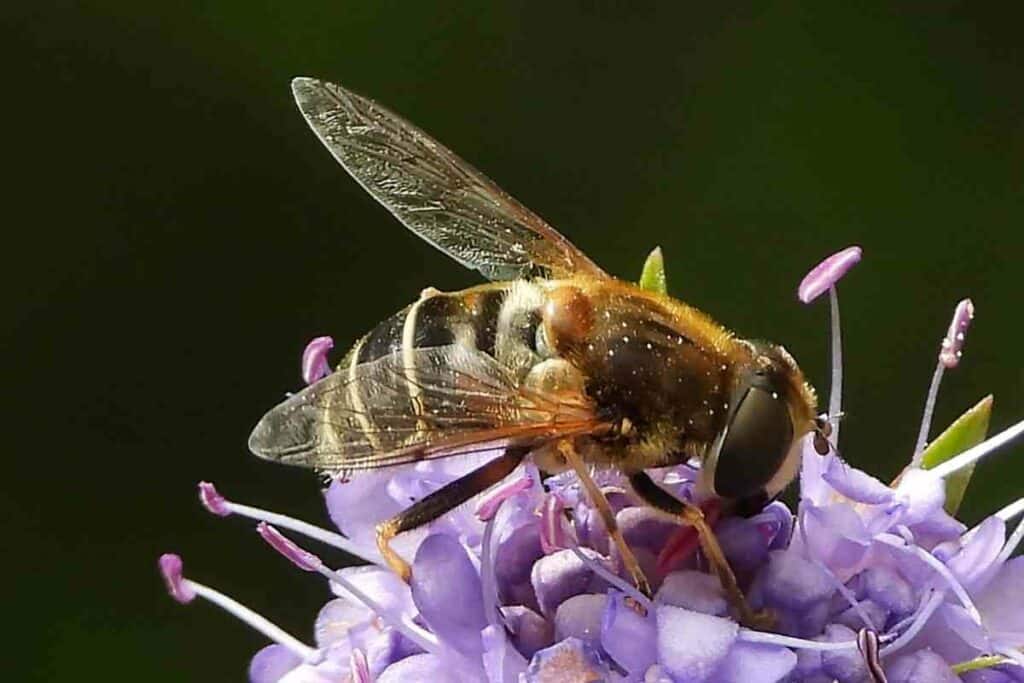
column 174, row 234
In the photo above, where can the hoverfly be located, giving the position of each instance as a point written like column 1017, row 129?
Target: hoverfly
column 553, row 359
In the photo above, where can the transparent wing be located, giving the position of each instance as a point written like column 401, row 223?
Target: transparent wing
column 434, row 402
column 434, row 193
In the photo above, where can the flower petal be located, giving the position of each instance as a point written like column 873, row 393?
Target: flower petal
column 695, row 591
column 1002, row 603
column 855, row 484
column 813, row 488
column 629, row 637
column 569, row 660
column 580, row 617
column 792, row 582
column 755, row 663
column 502, row 662
column 325, row 672
column 643, row 526
column 383, row 585
column 974, row 564
column 446, row 589
column 844, row 665
column 271, row 663
column 691, row 645
column 422, row 668
column 836, row 536
column 888, row 589
column 923, row 666
column 559, row 576
column 530, row 631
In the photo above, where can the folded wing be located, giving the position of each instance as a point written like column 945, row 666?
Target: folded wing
column 436, row 402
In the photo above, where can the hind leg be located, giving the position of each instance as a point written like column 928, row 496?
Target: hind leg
column 445, row 499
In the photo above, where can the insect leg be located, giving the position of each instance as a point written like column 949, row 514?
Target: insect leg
column 662, row 500
column 446, row 498
column 607, row 516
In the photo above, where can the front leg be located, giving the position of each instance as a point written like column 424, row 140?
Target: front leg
column 659, row 498
column 600, row 503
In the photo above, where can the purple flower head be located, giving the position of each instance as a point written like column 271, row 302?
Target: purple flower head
column 865, row 580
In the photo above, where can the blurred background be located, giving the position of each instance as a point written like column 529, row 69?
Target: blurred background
column 175, row 235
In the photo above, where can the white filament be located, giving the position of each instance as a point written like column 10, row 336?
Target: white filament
column 926, row 419
column 972, row 455
column 255, row 620
column 401, row 623
column 306, row 529
column 835, row 399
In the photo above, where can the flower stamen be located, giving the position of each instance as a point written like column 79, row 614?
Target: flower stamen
column 307, row 561
column 949, row 357
column 936, row 564
column 314, row 359
column 1011, row 544
column 185, row 590
column 843, row 589
column 972, row 455
column 917, row 622
column 823, row 277
column 1012, row 510
column 612, row 578
column 217, row 504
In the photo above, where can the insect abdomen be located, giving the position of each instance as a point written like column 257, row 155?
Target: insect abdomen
column 498, row 319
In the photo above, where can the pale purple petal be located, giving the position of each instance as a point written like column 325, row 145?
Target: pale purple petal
column 502, row 662
column 755, row 663
column 975, row 562
column 272, row 662
column 971, row 632
column 827, row 273
column 851, row 617
column 844, row 665
column 887, row 588
column 325, row 672
column 559, row 576
column 446, row 590
column 569, row 660
column 356, row 505
column 423, row 668
column 629, row 637
column 643, row 526
column 855, row 484
column 530, row 631
column 836, row 536
column 694, row 591
column 657, row 674
column 813, row 488
column 923, row 666
column 518, row 547
column 1002, row 603
column 383, row 585
column 938, row 527
column 692, row 645
column 580, row 617
column 337, row 618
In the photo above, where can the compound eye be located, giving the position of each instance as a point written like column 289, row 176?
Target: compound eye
column 754, row 445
